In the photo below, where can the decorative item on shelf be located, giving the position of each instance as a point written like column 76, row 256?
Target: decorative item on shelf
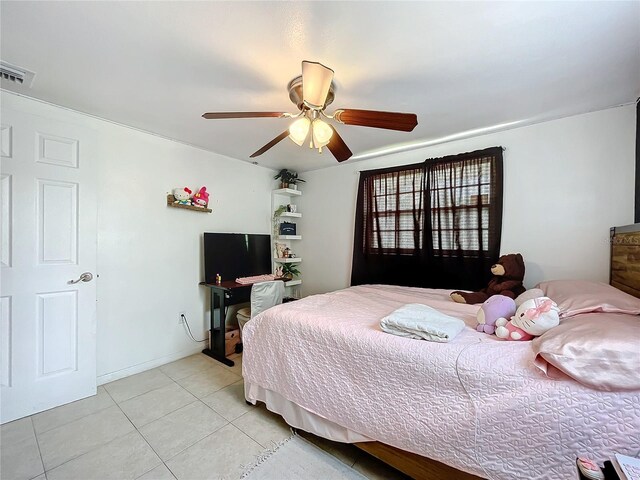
column 287, row 253
column 291, row 208
column 276, row 217
column 287, row 228
column 182, row 195
column 278, row 271
column 201, row 199
column 280, row 247
column 181, row 198
column 290, row 270
column 288, row 179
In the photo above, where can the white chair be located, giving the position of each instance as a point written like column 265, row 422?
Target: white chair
column 264, row 295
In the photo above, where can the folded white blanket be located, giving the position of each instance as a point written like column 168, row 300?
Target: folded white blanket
column 415, row 320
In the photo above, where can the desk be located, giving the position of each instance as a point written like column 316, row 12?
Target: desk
column 222, row 295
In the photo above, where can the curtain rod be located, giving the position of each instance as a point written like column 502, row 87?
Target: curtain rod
column 426, row 159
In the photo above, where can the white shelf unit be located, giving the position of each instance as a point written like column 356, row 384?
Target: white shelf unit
column 286, row 196
column 288, row 260
column 290, row 192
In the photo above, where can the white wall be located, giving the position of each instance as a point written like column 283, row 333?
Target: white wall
column 566, row 182
column 150, row 255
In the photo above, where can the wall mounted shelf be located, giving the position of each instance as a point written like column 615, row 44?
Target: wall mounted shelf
column 291, row 283
column 291, row 215
column 287, row 191
column 289, row 237
column 171, row 199
column 288, row 260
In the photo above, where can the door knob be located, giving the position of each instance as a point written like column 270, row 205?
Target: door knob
column 85, row 277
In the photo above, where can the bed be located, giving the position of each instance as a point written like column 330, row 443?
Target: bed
column 476, row 407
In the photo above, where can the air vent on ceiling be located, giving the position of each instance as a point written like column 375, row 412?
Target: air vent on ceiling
column 17, row 75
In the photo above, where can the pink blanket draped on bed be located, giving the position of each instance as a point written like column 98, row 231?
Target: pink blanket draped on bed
column 476, row 403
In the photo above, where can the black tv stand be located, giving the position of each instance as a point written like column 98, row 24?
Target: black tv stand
column 223, row 294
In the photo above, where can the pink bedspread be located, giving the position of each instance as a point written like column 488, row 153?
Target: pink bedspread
column 476, row 403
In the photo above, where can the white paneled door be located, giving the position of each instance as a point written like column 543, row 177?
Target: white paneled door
column 48, row 230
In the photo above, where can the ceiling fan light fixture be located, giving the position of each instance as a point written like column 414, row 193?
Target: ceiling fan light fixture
column 299, row 130
column 311, row 92
column 316, row 82
column 321, row 132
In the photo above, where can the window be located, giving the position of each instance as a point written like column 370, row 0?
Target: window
column 395, row 200
column 461, row 196
column 434, row 224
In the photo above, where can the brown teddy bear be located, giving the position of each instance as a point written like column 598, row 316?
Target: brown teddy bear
column 508, row 274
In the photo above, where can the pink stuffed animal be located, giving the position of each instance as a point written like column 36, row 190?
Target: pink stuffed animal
column 532, row 319
column 201, row 199
column 496, row 307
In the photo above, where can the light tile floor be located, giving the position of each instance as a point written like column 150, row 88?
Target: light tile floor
column 186, row 420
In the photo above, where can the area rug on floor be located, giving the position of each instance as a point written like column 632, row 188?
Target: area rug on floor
column 295, row 459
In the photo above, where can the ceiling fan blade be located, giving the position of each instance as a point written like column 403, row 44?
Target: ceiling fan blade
column 404, row 122
column 273, row 142
column 219, row 115
column 316, row 81
column 338, row 148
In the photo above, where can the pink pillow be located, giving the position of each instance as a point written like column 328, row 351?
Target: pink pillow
column 581, row 296
column 599, row 350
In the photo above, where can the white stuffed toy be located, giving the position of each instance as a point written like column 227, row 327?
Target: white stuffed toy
column 532, row 319
column 182, row 196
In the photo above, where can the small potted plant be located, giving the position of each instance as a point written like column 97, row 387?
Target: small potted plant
column 289, row 270
column 288, row 179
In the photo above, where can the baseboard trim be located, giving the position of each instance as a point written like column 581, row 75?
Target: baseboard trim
column 143, row 367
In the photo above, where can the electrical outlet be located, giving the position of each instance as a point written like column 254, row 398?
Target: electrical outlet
column 181, row 318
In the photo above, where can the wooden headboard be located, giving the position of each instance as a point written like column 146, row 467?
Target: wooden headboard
column 625, row 259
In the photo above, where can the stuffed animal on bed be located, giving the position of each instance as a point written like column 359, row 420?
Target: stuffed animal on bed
column 532, row 319
column 498, row 306
column 528, row 295
column 508, row 274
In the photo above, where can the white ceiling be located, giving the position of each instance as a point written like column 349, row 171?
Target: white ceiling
column 158, row 66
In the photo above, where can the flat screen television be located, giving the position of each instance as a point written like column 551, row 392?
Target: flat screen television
column 234, row 255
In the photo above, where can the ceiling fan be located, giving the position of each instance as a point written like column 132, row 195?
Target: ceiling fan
column 312, row 92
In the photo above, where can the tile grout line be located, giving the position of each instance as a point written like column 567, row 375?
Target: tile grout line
column 106, row 392
column 66, row 423
column 136, row 428
column 169, row 413
column 35, row 435
column 192, row 444
column 143, row 438
column 140, row 394
column 170, row 471
column 164, row 462
column 87, row 452
column 99, row 446
column 170, row 378
column 116, row 438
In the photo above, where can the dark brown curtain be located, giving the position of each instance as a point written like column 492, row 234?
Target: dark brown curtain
column 637, row 204
column 435, row 224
